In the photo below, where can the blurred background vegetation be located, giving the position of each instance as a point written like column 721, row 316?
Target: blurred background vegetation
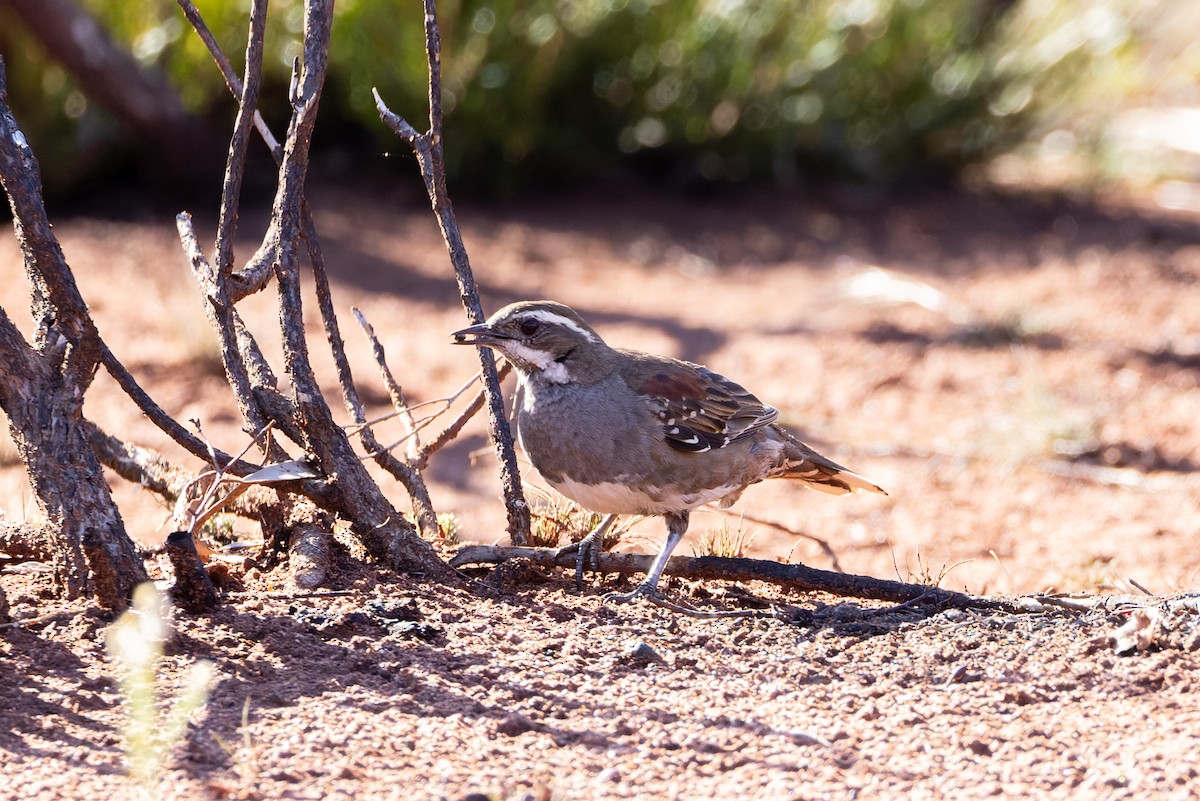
column 545, row 91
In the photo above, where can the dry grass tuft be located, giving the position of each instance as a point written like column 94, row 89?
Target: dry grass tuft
column 724, row 542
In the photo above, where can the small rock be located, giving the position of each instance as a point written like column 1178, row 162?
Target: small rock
column 1031, row 604
column 608, row 775
column 308, row 615
column 800, row 737
column 394, row 610
column 979, row 747
column 513, row 724
column 414, row 630
column 641, row 653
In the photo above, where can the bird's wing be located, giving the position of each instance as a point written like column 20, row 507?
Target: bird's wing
column 701, row 410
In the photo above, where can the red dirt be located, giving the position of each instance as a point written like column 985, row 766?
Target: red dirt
column 1040, row 431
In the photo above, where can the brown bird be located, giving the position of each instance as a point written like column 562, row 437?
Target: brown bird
column 624, row 432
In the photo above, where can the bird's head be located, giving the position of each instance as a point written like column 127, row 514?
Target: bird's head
column 542, row 339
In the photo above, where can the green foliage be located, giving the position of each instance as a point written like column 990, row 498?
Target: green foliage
column 718, row 88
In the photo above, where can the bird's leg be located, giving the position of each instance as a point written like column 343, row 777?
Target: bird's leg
column 676, row 526
column 586, row 549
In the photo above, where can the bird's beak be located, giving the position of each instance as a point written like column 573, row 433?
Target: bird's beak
column 480, row 334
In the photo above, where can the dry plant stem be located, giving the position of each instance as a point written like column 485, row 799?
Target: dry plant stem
column 154, row 472
column 451, row 431
column 402, row 469
column 428, row 149
column 231, row 80
column 254, row 277
column 237, row 347
column 221, row 315
column 353, row 494
column 191, row 517
column 236, row 165
column 721, row 568
column 395, row 393
column 42, row 389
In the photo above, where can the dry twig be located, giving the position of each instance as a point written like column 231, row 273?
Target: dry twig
column 790, row 576
column 403, row 469
column 428, row 149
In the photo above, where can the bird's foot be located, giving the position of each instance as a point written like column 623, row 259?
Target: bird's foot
column 587, row 550
column 586, row 555
column 652, row 595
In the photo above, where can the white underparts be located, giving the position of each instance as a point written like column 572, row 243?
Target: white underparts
column 617, row 497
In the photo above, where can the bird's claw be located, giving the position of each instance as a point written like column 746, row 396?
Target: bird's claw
column 586, row 553
column 640, row 591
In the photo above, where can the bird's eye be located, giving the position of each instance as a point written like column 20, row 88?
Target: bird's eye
column 530, row 325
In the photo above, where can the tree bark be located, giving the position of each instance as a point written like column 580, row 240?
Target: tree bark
column 41, row 391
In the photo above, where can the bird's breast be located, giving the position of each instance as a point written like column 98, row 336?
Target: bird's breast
column 603, row 448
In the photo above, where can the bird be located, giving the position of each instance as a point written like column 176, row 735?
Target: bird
column 622, row 432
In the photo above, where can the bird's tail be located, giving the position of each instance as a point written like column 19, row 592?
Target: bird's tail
column 802, row 463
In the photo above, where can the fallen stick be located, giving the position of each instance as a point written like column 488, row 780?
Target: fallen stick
column 723, row 568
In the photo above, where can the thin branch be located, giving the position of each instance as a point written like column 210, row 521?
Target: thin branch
column 191, row 516
column 445, row 436
column 451, row 431
column 395, row 393
column 231, row 78
column 445, row 402
column 429, row 152
column 221, row 315
column 235, row 166
column 792, row 577
column 402, row 469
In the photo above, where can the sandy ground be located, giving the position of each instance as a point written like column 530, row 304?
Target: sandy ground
column 1019, row 372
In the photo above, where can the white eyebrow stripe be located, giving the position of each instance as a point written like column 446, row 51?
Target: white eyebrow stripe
column 550, row 317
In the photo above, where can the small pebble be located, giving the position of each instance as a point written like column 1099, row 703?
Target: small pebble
column 608, row 775
column 642, row 653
